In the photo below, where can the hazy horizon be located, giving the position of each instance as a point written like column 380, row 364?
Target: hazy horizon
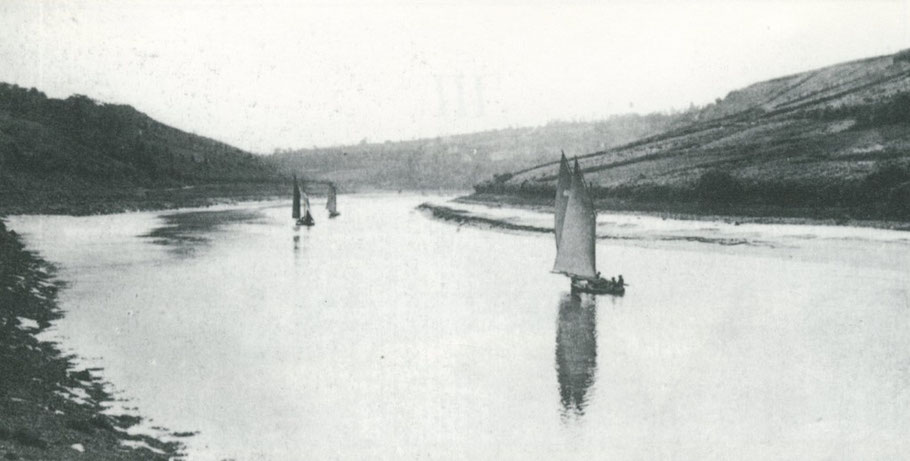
column 267, row 75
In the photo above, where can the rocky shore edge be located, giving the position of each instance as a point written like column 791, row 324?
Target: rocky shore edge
column 49, row 409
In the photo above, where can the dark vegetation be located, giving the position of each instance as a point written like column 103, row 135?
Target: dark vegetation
column 883, row 194
column 894, row 111
column 831, row 143
column 60, row 155
column 38, row 417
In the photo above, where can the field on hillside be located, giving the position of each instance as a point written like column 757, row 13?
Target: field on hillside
column 460, row 161
column 837, row 137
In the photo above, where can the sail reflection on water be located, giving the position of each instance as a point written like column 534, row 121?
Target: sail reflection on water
column 576, row 351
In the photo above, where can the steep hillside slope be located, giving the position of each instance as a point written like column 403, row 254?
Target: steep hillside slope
column 836, row 138
column 53, row 150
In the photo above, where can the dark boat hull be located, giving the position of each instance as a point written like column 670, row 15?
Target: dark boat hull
column 306, row 220
column 598, row 287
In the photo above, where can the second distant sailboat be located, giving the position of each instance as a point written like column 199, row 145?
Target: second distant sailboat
column 332, row 203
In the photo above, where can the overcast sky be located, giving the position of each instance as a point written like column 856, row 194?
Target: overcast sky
column 280, row 74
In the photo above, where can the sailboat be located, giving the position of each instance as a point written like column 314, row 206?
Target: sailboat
column 332, row 203
column 575, row 223
column 307, row 218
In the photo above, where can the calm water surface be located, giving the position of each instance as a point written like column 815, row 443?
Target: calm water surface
column 384, row 334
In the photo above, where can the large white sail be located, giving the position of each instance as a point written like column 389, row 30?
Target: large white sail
column 562, row 196
column 575, row 253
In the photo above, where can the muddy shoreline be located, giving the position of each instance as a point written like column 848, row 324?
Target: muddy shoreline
column 50, row 409
column 688, row 213
column 462, row 217
column 121, row 200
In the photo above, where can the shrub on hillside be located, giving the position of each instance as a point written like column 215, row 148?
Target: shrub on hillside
column 718, row 187
column 897, row 110
column 902, row 56
column 899, row 200
column 887, row 176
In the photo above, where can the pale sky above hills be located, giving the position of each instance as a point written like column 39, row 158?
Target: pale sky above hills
column 281, row 74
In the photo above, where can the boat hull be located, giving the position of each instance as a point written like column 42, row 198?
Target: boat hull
column 598, row 287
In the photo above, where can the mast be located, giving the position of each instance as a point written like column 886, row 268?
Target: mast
column 562, row 196
column 295, row 213
column 575, row 254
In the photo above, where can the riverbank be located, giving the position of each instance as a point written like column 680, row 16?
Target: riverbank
column 463, row 217
column 49, row 409
column 76, row 201
column 692, row 211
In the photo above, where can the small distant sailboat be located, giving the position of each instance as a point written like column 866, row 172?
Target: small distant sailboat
column 307, row 218
column 332, row 203
column 575, row 223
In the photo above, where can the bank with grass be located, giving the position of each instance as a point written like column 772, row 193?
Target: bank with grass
column 879, row 199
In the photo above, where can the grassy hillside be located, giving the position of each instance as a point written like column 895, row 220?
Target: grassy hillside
column 833, row 142
column 54, row 151
column 460, row 161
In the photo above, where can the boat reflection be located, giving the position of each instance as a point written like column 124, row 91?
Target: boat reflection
column 576, row 351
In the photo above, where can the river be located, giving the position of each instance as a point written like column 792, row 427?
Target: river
column 386, row 334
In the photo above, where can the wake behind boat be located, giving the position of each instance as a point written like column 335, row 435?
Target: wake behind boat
column 575, row 222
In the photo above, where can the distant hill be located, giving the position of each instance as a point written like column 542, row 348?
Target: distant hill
column 53, row 150
column 835, row 138
column 460, row 161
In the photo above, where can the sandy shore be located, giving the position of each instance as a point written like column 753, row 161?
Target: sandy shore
column 759, row 216
column 461, row 217
column 48, row 408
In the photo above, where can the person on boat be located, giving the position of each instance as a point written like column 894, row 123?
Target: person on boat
column 621, row 283
column 613, row 280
